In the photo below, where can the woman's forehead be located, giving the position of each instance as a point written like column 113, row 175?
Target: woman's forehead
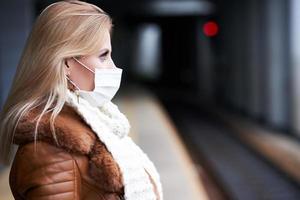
column 105, row 43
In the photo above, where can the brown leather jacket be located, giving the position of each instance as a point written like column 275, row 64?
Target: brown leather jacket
column 79, row 167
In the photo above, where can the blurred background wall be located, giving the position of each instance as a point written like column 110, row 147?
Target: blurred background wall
column 198, row 57
column 248, row 65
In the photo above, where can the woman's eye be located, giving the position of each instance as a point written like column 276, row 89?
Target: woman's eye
column 104, row 56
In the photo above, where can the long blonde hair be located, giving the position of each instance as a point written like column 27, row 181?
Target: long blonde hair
column 62, row 30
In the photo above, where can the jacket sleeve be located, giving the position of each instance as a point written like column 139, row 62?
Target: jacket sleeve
column 48, row 173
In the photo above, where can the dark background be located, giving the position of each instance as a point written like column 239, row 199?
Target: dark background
column 250, row 66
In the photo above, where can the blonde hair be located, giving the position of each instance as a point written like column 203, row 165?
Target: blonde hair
column 62, row 30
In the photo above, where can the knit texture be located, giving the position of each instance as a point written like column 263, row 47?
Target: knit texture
column 112, row 128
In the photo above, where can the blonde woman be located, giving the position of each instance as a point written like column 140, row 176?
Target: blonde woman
column 73, row 141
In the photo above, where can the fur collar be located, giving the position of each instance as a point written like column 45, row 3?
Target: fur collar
column 73, row 135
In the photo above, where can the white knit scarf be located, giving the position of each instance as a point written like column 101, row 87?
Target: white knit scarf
column 112, row 128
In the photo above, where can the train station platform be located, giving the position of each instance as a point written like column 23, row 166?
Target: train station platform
column 262, row 172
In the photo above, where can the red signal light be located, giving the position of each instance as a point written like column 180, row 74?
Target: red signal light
column 210, row 28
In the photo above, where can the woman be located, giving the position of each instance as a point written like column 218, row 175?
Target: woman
column 73, row 141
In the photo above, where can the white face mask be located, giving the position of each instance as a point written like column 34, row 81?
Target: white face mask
column 107, row 82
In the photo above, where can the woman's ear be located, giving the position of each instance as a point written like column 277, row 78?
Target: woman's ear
column 66, row 62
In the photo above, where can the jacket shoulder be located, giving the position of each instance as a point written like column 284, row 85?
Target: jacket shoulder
column 75, row 140
column 44, row 171
column 47, row 171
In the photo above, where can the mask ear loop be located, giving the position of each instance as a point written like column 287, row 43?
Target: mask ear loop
column 83, row 65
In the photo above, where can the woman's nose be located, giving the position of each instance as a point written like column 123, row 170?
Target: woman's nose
column 113, row 64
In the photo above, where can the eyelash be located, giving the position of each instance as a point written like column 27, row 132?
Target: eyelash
column 104, row 55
